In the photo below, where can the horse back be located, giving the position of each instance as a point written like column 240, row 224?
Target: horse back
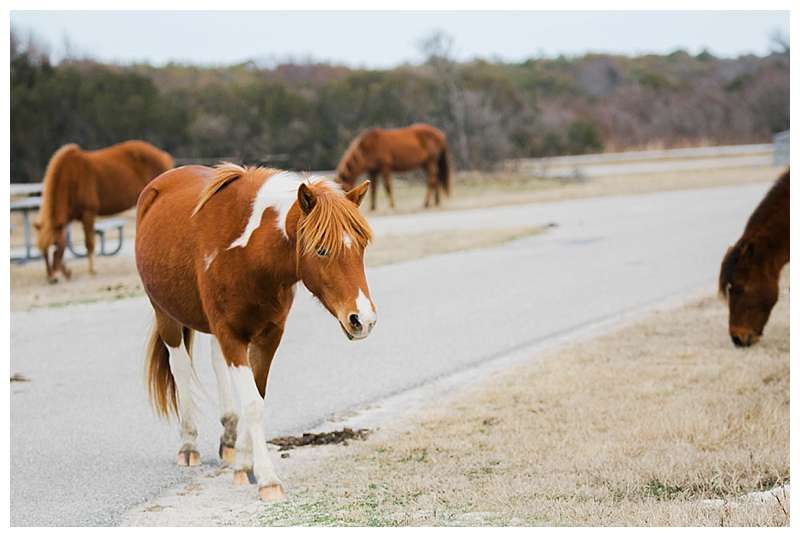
column 408, row 147
column 121, row 171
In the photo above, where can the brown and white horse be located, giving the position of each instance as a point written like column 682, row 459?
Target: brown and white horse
column 382, row 151
column 750, row 272
column 80, row 185
column 219, row 251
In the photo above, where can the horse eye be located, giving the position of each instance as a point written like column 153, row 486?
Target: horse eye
column 322, row 252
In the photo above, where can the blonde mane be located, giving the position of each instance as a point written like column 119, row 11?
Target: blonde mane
column 332, row 218
column 227, row 172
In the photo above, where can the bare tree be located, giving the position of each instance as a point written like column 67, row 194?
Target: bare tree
column 438, row 51
column 779, row 42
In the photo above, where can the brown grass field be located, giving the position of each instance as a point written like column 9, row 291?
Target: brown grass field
column 659, row 423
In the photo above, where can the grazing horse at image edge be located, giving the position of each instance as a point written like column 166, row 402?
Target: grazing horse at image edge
column 750, row 272
column 219, row 250
column 382, row 151
column 80, row 185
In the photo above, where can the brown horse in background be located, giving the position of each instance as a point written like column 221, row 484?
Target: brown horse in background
column 751, row 269
column 220, row 251
column 80, row 185
column 382, row 151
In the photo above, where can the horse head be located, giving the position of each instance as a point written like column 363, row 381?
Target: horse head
column 749, row 283
column 331, row 238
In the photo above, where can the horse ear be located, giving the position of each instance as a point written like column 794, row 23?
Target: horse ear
column 306, row 198
column 357, row 194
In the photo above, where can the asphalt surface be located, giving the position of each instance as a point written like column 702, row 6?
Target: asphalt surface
column 85, row 446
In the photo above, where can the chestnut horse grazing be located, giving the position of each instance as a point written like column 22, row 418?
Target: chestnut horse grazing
column 219, row 251
column 80, row 185
column 382, row 151
column 751, row 269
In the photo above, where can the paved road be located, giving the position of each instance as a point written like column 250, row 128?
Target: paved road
column 85, row 446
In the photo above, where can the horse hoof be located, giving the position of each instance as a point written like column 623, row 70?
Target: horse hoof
column 52, row 280
column 188, row 458
column 271, row 493
column 244, row 477
column 227, row 454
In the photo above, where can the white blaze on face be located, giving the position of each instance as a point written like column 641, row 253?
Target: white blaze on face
column 348, row 242
column 366, row 312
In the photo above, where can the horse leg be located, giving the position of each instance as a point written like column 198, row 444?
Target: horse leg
column 228, row 416
column 88, row 236
column 51, row 276
column 243, row 370
column 387, row 184
column 58, row 254
column 430, row 172
column 180, row 363
column 373, row 177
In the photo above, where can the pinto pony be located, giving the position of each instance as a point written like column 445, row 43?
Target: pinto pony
column 80, row 185
column 382, row 151
column 751, row 269
column 219, row 250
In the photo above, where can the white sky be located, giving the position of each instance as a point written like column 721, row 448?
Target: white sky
column 384, row 39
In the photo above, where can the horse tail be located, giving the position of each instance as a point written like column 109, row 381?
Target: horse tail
column 444, row 170
column 161, row 387
column 160, row 382
column 55, row 203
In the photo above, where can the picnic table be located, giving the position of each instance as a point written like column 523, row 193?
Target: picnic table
column 25, row 206
column 32, row 203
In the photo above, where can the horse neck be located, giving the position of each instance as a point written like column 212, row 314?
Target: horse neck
column 769, row 224
column 280, row 262
column 354, row 163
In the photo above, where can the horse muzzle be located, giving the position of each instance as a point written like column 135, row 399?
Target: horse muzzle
column 743, row 338
column 356, row 326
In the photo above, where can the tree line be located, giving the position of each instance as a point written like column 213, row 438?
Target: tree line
column 303, row 115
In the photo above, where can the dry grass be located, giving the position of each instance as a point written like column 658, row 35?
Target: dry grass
column 397, row 248
column 638, row 427
column 471, row 189
column 117, row 277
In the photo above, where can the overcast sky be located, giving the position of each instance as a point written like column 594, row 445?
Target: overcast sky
column 384, row 39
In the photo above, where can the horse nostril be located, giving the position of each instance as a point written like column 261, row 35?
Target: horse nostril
column 737, row 341
column 354, row 322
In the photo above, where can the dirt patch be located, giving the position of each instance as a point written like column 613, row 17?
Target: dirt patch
column 662, row 422
column 116, row 278
column 343, row 436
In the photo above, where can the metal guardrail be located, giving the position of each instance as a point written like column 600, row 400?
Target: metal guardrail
column 781, row 151
column 628, row 156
